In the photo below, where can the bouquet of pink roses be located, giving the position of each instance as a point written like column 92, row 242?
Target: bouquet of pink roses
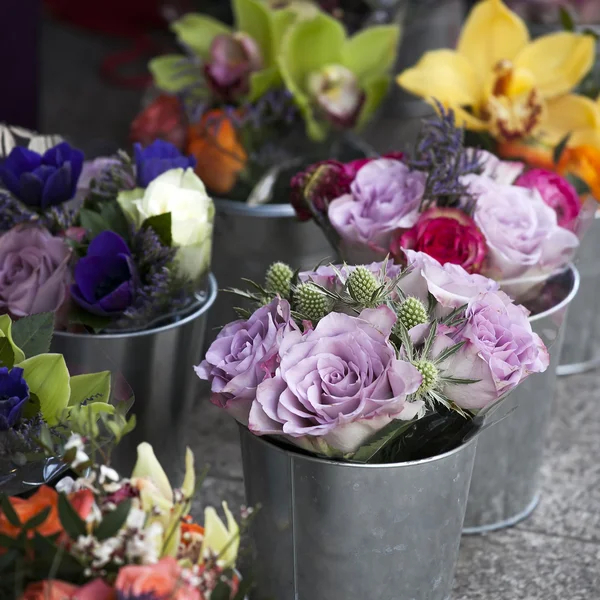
column 372, row 363
column 458, row 205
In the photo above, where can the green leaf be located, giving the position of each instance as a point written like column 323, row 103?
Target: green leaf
column 38, row 519
column 7, row 332
column 80, row 316
column 560, row 148
column 113, row 521
column 115, row 218
column 372, row 52
column 72, row 523
column 161, row 224
column 376, row 443
column 92, row 221
column 33, row 334
column 90, row 387
column 49, row 555
column 9, row 511
column 7, row 355
column 252, row 17
column 48, row 378
column 173, row 73
column 579, row 184
column 566, row 19
column 375, row 90
column 198, row 31
column 32, row 406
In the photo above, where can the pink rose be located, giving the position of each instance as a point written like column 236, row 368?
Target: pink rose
column 33, row 271
column 556, row 192
column 447, row 234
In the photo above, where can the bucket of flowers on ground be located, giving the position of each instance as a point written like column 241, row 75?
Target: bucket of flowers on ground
column 360, row 391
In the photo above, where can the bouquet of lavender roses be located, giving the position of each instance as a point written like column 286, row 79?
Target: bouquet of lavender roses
column 114, row 243
column 372, row 363
column 459, row 205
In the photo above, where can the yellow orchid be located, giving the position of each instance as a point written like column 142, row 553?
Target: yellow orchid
column 499, row 81
column 220, row 540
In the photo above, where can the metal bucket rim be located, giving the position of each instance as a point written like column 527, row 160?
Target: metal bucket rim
column 319, row 460
column 206, row 305
column 263, row 211
column 566, row 301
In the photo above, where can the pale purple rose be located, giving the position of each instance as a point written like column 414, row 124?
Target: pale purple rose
column 337, row 385
column 500, row 171
column 243, row 354
column 449, row 284
column 501, row 350
column 522, row 233
column 94, row 169
column 385, row 197
column 33, row 271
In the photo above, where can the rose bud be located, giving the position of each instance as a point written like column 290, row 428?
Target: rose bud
column 336, row 91
column 163, row 119
column 233, row 57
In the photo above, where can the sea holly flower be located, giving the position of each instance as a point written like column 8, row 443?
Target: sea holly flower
column 14, row 393
column 343, row 80
column 156, row 159
column 500, row 82
column 105, row 276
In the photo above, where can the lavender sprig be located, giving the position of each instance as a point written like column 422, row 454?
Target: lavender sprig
column 114, row 178
column 440, row 152
column 22, row 439
column 13, row 212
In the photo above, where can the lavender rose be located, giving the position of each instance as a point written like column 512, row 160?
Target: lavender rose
column 385, row 197
column 328, row 276
column 521, row 231
column 337, row 384
column 501, row 350
column 501, row 171
column 242, row 355
column 33, row 271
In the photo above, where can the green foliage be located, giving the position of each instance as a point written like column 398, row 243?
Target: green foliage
column 6, row 333
column 33, row 334
column 72, row 523
column 113, row 521
column 161, row 224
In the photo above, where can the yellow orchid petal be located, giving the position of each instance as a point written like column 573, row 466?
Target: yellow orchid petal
column 569, row 114
column 220, row 540
column 490, row 34
column 558, row 61
column 445, row 76
column 189, row 480
column 148, row 467
column 467, row 120
column 587, row 137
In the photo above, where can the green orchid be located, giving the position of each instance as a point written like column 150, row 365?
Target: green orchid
column 236, row 62
column 334, row 78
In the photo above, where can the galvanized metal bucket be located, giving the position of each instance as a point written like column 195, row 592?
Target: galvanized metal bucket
column 581, row 348
column 328, row 530
column 504, row 489
column 157, row 365
column 248, row 239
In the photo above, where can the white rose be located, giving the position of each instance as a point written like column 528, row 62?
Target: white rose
column 181, row 193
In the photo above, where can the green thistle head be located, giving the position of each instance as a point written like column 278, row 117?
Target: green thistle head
column 311, row 302
column 430, row 375
column 361, row 285
column 279, row 279
column 412, row 312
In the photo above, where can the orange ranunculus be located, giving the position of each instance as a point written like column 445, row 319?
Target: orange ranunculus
column 162, row 579
column 43, row 498
column 188, row 526
column 219, row 154
column 52, row 589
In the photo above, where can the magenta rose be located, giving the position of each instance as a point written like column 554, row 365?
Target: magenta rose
column 500, row 351
column 337, row 385
column 33, row 271
column 447, row 234
column 556, row 192
column 242, row 356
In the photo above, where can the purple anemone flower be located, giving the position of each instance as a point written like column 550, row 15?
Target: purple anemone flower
column 14, row 393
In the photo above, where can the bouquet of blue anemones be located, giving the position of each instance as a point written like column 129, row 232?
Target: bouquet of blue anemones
column 114, row 243
column 41, row 403
column 372, row 363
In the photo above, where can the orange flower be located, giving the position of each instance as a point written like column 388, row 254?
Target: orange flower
column 162, row 579
column 44, row 497
column 219, row 154
column 53, row 589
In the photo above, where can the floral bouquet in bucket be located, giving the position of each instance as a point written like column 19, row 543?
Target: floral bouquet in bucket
column 41, row 403
column 372, row 363
column 459, row 205
column 102, row 536
column 117, row 243
column 250, row 102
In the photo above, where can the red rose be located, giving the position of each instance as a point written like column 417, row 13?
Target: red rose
column 447, row 234
column 163, row 119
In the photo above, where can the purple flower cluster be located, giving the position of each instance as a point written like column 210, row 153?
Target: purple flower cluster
column 329, row 385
